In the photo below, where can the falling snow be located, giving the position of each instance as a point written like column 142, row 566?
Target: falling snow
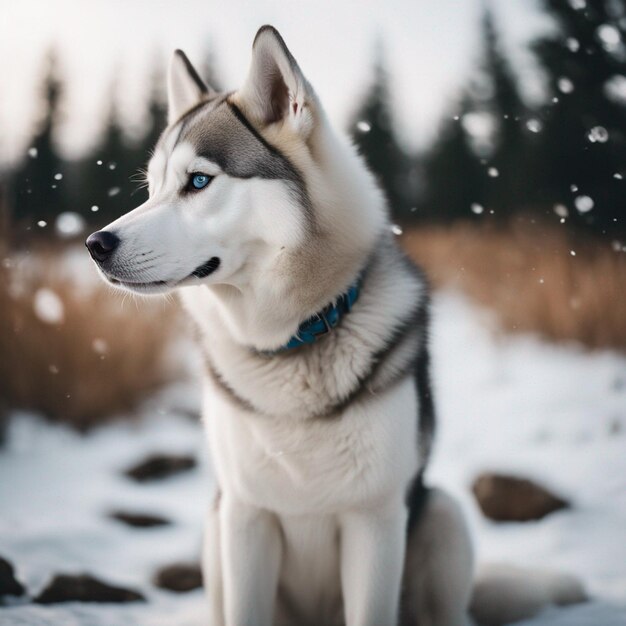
column 42, row 223
column 113, row 191
column 609, row 37
column 598, row 134
column 493, row 172
column 32, row 153
column 615, row 89
column 58, row 176
column 573, row 44
column 565, row 85
column 477, row 208
column 561, row 210
column 396, row 230
column 100, row 346
column 95, row 208
column 584, row 204
column 363, row 127
column 534, row 125
column 618, row 176
column 69, row 224
column 48, row 306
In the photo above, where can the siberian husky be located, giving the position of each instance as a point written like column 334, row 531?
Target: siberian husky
column 314, row 329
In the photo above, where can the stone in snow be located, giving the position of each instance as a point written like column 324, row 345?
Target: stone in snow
column 179, row 577
column 84, row 588
column 159, row 466
column 48, row 306
column 504, row 498
column 139, row 520
column 9, row 585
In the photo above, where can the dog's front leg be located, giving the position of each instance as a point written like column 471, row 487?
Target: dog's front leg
column 372, row 560
column 251, row 555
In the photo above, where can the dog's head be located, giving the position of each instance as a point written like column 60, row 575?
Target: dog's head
column 239, row 182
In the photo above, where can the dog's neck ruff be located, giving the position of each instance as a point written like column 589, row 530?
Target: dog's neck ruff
column 323, row 322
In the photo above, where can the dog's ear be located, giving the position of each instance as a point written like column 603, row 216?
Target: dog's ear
column 276, row 88
column 185, row 88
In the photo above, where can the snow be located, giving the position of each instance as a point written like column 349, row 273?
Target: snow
column 534, row 125
column 584, row 204
column 565, row 85
column 70, row 224
column 48, row 306
column 556, row 414
column 598, row 134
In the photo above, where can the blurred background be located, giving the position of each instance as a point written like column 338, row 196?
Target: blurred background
column 498, row 132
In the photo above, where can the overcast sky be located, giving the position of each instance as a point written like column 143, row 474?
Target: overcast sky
column 430, row 45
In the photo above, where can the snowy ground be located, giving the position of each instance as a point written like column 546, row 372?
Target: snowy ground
column 556, row 414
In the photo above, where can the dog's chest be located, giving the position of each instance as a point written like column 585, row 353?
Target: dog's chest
column 320, row 465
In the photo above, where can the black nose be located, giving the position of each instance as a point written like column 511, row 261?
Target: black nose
column 101, row 245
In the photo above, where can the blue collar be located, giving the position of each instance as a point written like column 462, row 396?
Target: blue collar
column 323, row 322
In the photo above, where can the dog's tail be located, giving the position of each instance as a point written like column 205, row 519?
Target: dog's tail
column 504, row 594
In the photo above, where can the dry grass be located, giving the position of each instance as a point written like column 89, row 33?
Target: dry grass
column 528, row 275
column 100, row 360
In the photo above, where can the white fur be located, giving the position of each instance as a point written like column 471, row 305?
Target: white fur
column 310, row 523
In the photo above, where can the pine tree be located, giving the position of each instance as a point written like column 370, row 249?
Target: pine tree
column 37, row 185
column 453, row 173
column 373, row 133
column 104, row 173
column 505, row 191
column 583, row 144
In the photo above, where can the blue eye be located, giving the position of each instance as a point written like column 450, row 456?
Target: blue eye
column 199, row 181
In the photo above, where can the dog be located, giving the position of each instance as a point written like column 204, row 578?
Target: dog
column 313, row 325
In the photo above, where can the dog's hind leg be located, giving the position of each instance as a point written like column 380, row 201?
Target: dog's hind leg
column 438, row 566
column 211, row 564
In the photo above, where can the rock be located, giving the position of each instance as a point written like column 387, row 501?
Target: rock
column 179, row 577
column 9, row 585
column 159, row 466
column 139, row 520
column 509, row 499
column 84, row 588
